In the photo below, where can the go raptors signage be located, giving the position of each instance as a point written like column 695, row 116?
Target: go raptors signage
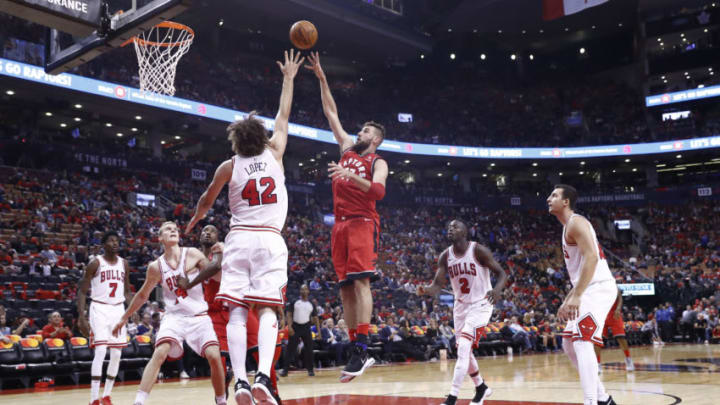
column 77, row 17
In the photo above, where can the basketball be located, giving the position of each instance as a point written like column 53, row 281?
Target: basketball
column 303, row 34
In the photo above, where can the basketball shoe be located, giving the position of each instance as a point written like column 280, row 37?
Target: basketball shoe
column 262, row 390
column 450, row 400
column 106, row 400
column 629, row 366
column 95, row 402
column 359, row 361
column 608, row 402
column 243, row 395
column 482, row 391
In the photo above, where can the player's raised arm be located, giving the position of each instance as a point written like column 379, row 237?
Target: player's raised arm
column 328, row 103
column 223, row 174
column 152, row 278
column 484, row 256
column 83, row 286
column 289, row 69
column 440, row 277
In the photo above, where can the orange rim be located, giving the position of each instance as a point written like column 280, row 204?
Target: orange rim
column 164, row 24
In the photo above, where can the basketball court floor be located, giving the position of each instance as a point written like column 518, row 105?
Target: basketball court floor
column 675, row 374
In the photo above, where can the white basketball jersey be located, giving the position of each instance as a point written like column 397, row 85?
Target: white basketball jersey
column 178, row 301
column 108, row 285
column 470, row 281
column 258, row 197
column 574, row 259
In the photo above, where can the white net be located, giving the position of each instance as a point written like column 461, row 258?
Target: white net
column 159, row 50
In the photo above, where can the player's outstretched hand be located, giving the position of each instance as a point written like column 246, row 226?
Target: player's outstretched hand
column 183, row 282
column 336, row 170
column 493, row 296
column 194, row 221
column 116, row 330
column 314, row 65
column 83, row 326
column 291, row 65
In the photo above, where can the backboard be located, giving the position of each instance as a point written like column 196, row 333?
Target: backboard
column 80, row 30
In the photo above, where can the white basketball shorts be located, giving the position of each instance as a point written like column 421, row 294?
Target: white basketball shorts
column 595, row 304
column 197, row 331
column 254, row 268
column 103, row 318
column 470, row 318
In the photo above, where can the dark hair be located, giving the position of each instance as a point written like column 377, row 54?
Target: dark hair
column 107, row 236
column 569, row 193
column 248, row 136
column 377, row 126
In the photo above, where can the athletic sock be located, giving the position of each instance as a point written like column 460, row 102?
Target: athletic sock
column 461, row 365
column 267, row 338
column 237, row 341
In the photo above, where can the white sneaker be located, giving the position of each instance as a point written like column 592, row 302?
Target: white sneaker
column 183, row 374
column 629, row 366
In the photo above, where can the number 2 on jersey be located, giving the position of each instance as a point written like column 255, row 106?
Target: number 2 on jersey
column 250, row 192
column 464, row 285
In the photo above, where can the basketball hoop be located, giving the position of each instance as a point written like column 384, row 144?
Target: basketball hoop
column 158, row 51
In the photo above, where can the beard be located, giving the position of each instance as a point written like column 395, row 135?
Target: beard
column 360, row 147
column 207, row 244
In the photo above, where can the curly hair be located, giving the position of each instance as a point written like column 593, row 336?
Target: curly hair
column 248, row 136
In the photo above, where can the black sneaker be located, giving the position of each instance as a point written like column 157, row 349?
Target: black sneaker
column 282, row 373
column 482, row 391
column 608, row 402
column 450, row 400
column 262, row 390
column 311, row 373
column 357, row 364
column 243, row 394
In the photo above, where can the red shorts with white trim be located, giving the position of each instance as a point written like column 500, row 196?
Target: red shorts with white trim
column 254, row 268
column 471, row 319
column 354, row 249
column 220, row 320
column 595, row 303
column 103, row 318
column 196, row 331
column 614, row 327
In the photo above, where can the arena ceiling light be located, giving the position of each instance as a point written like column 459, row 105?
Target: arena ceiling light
column 392, row 172
column 137, row 117
column 48, row 114
column 627, row 160
column 535, row 164
column 582, row 163
column 78, row 106
column 407, row 161
column 107, row 124
column 499, row 31
column 177, row 137
column 513, row 57
column 482, row 56
column 484, row 174
column 560, row 174
column 452, row 56
column 119, row 134
column 77, row 119
column 532, row 57
column 133, row 129
column 63, row 125
column 534, row 174
column 582, row 51
column 634, row 169
column 567, row 29
column 300, row 164
column 439, row 174
column 9, row 92
column 492, row 164
column 581, row 173
column 679, row 156
column 593, row 27
column 422, row 56
column 163, row 143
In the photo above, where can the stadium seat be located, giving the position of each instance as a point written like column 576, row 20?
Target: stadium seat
column 11, row 365
column 59, row 356
column 131, row 362
column 144, row 347
column 35, row 357
column 81, row 356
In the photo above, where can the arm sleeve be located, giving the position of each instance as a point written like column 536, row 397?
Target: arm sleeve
column 376, row 191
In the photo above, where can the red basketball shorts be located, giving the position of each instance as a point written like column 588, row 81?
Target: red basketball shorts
column 354, row 249
column 219, row 321
column 614, row 327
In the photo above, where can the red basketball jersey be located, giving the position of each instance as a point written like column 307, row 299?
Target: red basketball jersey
column 210, row 289
column 348, row 199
